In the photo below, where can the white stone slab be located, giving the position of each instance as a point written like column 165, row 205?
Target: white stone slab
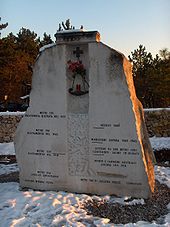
column 94, row 143
column 41, row 137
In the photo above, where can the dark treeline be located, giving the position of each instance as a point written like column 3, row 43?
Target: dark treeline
column 18, row 54
column 151, row 77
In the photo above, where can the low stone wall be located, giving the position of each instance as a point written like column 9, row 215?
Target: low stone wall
column 8, row 125
column 157, row 122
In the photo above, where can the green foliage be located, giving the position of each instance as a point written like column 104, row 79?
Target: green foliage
column 28, row 42
column 141, row 61
column 17, row 55
column 14, row 63
column 164, row 53
column 46, row 40
column 151, row 77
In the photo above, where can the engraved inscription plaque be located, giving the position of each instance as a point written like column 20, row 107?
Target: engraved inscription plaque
column 84, row 129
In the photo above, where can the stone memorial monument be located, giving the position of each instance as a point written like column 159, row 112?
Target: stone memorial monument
column 84, row 130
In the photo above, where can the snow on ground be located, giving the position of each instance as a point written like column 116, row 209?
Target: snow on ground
column 7, row 149
column 159, row 143
column 6, row 169
column 11, row 113
column 35, row 208
column 50, row 208
column 162, row 174
column 156, row 109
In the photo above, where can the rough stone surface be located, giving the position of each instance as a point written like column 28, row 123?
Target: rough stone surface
column 8, row 125
column 153, row 208
column 78, row 146
column 95, row 143
column 157, row 123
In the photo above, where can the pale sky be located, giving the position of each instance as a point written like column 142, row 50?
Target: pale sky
column 123, row 24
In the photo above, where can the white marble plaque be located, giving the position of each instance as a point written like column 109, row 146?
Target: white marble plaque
column 93, row 143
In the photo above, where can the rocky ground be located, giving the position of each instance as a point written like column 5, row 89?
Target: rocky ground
column 153, row 208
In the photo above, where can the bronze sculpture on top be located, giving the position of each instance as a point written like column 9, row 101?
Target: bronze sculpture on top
column 67, row 26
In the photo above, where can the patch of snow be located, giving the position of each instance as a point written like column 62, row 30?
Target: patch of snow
column 35, row 208
column 156, row 109
column 167, row 218
column 12, row 113
column 71, row 30
column 25, row 97
column 49, row 208
column 6, row 169
column 125, row 200
column 135, row 202
column 47, row 46
column 162, row 174
column 7, row 149
column 159, row 143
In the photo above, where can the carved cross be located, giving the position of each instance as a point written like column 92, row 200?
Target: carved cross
column 77, row 52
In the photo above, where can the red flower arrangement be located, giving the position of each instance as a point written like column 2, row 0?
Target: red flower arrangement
column 76, row 67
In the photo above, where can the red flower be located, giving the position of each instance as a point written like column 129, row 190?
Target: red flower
column 76, row 67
